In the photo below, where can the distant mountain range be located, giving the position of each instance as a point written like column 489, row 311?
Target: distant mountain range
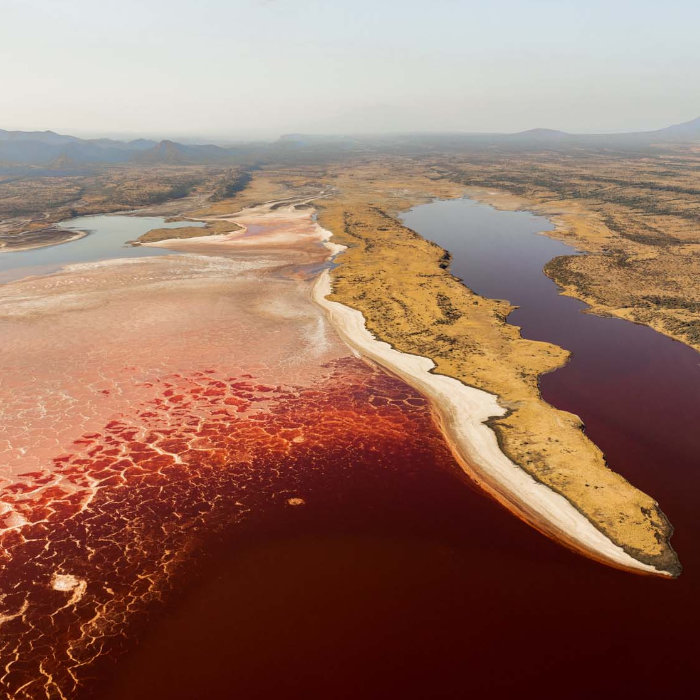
column 550, row 139
column 48, row 149
column 687, row 132
column 43, row 147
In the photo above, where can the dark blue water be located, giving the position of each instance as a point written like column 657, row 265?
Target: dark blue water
column 107, row 237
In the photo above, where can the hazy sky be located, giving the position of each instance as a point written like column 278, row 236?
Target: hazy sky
column 228, row 68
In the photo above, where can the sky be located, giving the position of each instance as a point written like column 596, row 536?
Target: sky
column 230, row 69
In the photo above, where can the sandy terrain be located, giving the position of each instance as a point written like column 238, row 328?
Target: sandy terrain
column 266, row 227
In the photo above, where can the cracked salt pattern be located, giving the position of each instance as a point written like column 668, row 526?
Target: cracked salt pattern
column 128, row 508
column 151, row 405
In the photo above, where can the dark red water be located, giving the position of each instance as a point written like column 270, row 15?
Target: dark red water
column 397, row 579
column 638, row 393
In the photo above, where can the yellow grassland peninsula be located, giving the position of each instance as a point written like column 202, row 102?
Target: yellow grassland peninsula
column 403, row 286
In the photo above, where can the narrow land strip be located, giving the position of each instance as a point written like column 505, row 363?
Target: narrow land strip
column 402, row 286
column 464, row 413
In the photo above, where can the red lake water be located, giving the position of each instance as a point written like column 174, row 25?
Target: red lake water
column 214, row 499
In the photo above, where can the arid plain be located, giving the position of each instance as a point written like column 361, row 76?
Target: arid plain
column 206, row 365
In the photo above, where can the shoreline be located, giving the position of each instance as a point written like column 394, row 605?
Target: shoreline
column 45, row 244
column 161, row 210
column 557, row 211
column 463, row 413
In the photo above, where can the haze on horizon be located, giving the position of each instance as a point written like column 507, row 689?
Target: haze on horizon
column 248, row 69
